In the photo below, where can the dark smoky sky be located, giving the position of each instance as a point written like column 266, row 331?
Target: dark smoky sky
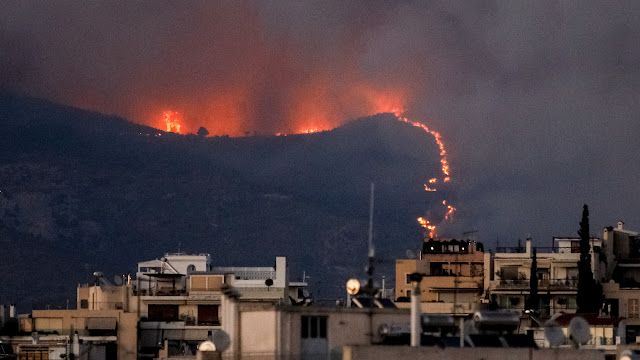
column 537, row 102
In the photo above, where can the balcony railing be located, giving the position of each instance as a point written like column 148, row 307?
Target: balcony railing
column 539, row 249
column 550, row 284
column 160, row 292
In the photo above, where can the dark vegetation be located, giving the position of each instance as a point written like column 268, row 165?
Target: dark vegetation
column 590, row 294
column 82, row 191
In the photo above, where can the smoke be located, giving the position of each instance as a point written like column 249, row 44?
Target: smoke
column 531, row 98
column 230, row 66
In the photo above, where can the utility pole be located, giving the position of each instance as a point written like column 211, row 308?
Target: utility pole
column 416, row 313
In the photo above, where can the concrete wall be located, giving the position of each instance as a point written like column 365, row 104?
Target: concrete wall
column 258, row 333
column 345, row 326
column 405, row 352
column 404, row 267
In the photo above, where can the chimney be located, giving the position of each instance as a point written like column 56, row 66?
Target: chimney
column 528, row 246
column 12, row 311
column 620, row 224
column 229, row 278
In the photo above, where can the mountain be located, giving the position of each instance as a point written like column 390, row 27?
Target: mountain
column 82, row 192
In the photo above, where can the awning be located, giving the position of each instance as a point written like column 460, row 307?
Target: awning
column 101, row 324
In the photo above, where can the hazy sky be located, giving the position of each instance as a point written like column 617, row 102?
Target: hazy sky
column 537, row 102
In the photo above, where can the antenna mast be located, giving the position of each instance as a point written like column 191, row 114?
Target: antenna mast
column 371, row 249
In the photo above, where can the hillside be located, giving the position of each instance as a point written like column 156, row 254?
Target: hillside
column 82, row 191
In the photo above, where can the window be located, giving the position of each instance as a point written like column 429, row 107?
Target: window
column 163, row 313
column 313, row 327
column 84, row 304
column 208, row 315
column 509, row 273
column 575, row 247
column 634, row 308
column 408, row 278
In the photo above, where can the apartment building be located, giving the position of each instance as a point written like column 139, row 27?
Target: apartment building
column 557, row 272
column 169, row 307
column 454, row 278
column 621, row 285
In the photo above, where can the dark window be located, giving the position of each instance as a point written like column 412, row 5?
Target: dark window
column 84, row 304
column 305, row 327
column 208, row 315
column 408, row 278
column 323, row 327
column 575, row 247
column 509, row 273
column 163, row 313
column 314, row 327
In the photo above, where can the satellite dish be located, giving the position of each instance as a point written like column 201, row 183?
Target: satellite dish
column 579, row 330
column 353, row 286
column 221, row 340
column 207, row 346
column 554, row 334
column 268, row 282
column 118, row 280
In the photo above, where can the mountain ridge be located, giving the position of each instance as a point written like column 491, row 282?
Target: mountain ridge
column 78, row 198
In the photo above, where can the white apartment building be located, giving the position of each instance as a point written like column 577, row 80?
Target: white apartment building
column 508, row 282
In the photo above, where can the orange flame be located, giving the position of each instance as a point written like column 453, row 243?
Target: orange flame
column 444, row 166
column 450, row 211
column 172, row 120
column 309, row 131
column 425, row 224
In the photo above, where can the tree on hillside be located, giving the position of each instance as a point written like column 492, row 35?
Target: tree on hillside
column 589, row 293
column 203, row 131
column 532, row 303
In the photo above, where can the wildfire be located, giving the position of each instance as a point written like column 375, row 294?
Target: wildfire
column 425, row 224
column 172, row 120
column 310, row 131
column 450, row 211
column 444, row 166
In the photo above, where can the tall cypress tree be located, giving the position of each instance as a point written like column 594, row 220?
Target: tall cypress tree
column 588, row 300
column 532, row 304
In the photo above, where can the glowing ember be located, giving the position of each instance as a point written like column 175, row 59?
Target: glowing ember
column 449, row 214
column 444, row 166
column 425, row 224
column 172, row 120
column 310, row 131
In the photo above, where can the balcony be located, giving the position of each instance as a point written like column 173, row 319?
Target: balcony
column 543, row 284
column 160, row 292
column 453, row 282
